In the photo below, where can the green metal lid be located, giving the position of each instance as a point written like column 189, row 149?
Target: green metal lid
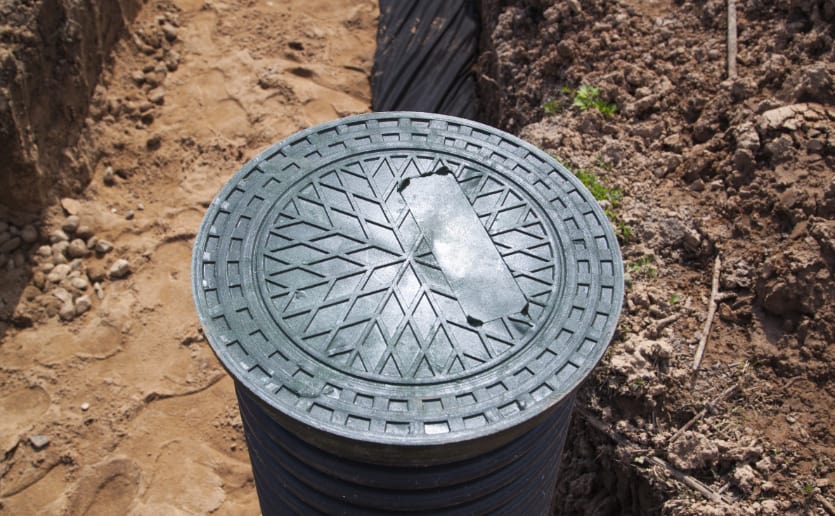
column 406, row 286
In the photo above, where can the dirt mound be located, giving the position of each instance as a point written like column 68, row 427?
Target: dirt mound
column 634, row 95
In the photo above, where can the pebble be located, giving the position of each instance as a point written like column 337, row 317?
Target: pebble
column 39, row 279
column 71, row 206
column 129, row 215
column 138, row 77
column 29, row 234
column 62, row 295
column 103, row 247
column 44, row 251
column 120, row 269
column 154, row 142
column 109, row 178
column 80, row 283
column 172, row 60
column 3, row 226
column 140, row 207
column 71, row 224
column 85, row 406
column 67, row 311
column 156, row 96
column 10, row 245
column 4, row 236
column 38, row 442
column 58, row 236
column 98, row 290
column 19, row 259
column 91, row 242
column 59, row 273
column 60, row 248
column 84, row 232
column 170, row 32
column 82, row 304
column 77, row 249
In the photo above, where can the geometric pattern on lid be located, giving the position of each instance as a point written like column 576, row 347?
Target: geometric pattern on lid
column 352, row 279
column 318, row 294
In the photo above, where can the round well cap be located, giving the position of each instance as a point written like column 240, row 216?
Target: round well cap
column 407, row 287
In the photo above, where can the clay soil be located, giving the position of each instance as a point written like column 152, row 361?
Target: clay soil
column 713, row 171
column 109, row 364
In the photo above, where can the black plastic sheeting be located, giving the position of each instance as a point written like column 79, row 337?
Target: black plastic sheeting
column 425, row 58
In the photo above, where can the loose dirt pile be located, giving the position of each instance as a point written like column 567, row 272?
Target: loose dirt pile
column 738, row 169
column 112, row 401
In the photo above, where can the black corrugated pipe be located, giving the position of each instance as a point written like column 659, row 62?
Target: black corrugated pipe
column 407, row 303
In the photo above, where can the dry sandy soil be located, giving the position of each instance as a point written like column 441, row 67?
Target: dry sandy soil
column 141, row 419
column 139, row 416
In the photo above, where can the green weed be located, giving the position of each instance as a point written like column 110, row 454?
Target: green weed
column 643, row 265
column 588, row 97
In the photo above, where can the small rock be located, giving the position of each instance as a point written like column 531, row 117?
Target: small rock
column 697, row 186
column 44, row 251
column 10, row 245
column 38, row 442
column 84, row 232
column 140, row 207
column 3, row 226
column 170, row 32
column 39, row 279
column 70, row 224
column 172, row 60
column 67, row 311
column 154, row 142
column 29, row 234
column 129, row 215
column 59, row 273
column 78, row 249
column 109, row 178
column 156, row 96
column 98, row 290
column 103, row 247
column 82, row 304
column 137, row 77
column 85, row 407
column 58, row 236
column 71, row 206
column 91, row 242
column 62, row 295
column 120, row 269
column 79, row 283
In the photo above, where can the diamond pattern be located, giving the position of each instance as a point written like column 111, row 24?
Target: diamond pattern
column 351, row 276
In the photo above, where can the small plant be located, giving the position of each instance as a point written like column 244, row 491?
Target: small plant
column 808, row 489
column 551, row 107
column 610, row 195
column 675, row 298
column 643, row 265
column 588, row 97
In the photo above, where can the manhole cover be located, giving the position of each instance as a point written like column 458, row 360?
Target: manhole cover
column 409, row 280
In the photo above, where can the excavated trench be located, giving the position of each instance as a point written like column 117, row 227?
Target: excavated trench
column 53, row 54
column 56, row 50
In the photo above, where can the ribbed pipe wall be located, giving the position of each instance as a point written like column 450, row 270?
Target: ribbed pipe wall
column 294, row 477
